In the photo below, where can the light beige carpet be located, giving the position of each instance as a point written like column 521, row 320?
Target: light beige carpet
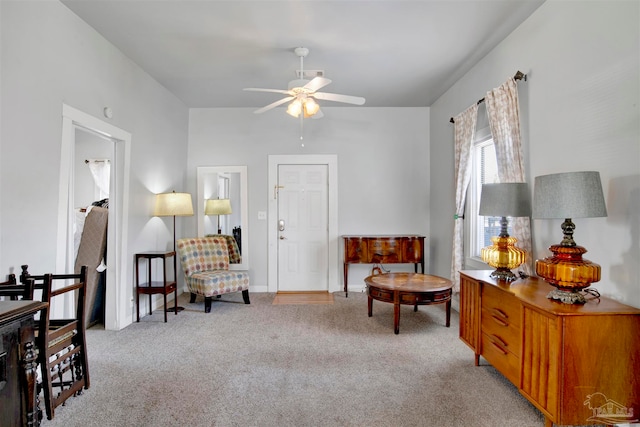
column 265, row 365
column 290, row 298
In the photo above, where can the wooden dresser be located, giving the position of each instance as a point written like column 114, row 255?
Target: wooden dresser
column 18, row 362
column 383, row 249
column 578, row 364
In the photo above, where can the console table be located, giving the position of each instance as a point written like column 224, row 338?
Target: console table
column 382, row 249
column 18, row 363
column 578, row 364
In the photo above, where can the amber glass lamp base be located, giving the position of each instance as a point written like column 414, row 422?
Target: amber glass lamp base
column 504, row 256
column 568, row 272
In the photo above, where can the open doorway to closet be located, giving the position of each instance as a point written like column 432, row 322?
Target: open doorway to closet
column 91, row 188
column 85, row 137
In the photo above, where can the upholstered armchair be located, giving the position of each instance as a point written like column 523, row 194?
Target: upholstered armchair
column 232, row 247
column 205, row 263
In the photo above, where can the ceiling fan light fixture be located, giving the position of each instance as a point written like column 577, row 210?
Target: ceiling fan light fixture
column 303, row 92
column 295, row 108
column 310, row 107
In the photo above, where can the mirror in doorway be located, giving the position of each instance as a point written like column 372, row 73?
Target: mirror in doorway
column 222, row 206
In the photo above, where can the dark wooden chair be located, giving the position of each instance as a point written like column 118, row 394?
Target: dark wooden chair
column 61, row 342
column 14, row 290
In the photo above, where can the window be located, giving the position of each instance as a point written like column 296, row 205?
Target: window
column 484, row 170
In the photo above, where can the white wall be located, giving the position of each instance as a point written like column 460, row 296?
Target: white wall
column 383, row 169
column 579, row 111
column 50, row 57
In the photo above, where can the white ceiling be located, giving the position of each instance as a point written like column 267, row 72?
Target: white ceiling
column 394, row 53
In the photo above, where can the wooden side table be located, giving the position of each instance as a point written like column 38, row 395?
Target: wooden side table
column 152, row 287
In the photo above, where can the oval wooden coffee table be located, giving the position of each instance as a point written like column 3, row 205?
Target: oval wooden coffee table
column 408, row 289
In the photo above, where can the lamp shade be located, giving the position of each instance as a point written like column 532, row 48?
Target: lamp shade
column 217, row 207
column 173, row 204
column 505, row 199
column 295, row 108
column 568, row 195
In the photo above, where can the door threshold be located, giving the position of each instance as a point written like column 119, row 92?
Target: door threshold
column 306, row 297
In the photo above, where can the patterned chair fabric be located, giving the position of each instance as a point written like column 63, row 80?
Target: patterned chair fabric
column 232, row 247
column 205, row 263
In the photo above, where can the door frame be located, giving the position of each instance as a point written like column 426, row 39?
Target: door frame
column 118, row 293
column 331, row 160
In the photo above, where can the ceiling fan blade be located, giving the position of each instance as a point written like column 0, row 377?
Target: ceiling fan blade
column 257, row 89
column 274, row 104
column 317, row 83
column 357, row 100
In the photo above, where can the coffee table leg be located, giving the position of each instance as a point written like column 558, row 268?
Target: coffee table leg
column 370, row 304
column 396, row 318
column 448, row 313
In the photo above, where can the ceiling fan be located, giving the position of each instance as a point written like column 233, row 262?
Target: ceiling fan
column 303, row 93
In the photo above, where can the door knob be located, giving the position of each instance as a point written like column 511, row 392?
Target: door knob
column 281, row 225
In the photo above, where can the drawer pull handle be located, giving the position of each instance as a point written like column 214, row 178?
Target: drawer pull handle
column 500, row 321
column 497, row 345
column 500, row 313
column 499, row 317
column 499, row 340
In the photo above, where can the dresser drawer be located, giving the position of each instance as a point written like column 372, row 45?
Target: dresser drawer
column 502, row 304
column 495, row 323
column 500, row 318
column 496, row 353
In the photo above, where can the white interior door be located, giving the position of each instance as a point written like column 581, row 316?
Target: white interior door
column 303, row 228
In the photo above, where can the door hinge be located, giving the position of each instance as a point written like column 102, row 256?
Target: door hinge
column 275, row 190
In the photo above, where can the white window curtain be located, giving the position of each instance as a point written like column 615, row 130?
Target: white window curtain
column 101, row 172
column 504, row 121
column 464, row 134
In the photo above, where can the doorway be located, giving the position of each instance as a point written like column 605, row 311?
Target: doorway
column 117, row 303
column 280, row 255
column 91, row 188
column 302, row 228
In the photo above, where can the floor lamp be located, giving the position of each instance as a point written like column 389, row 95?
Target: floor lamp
column 218, row 207
column 174, row 204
